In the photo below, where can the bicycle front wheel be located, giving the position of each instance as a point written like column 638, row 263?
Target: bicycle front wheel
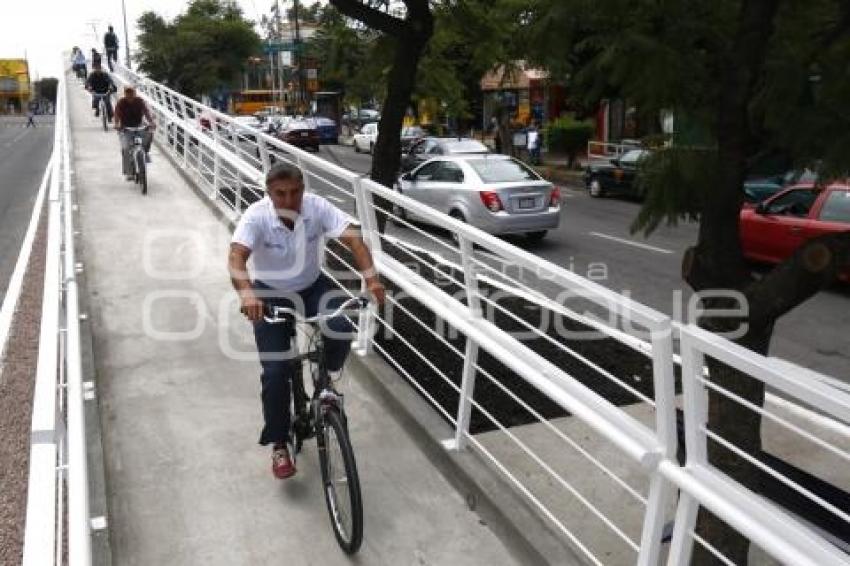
column 340, row 481
column 141, row 171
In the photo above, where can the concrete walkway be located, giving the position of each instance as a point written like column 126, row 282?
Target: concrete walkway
column 177, row 380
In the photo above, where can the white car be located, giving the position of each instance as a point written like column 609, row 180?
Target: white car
column 366, row 139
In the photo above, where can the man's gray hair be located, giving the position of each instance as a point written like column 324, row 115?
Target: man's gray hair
column 283, row 171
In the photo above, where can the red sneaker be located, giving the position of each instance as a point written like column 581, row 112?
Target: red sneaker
column 282, row 465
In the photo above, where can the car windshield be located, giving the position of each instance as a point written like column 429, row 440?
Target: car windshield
column 465, row 146
column 632, row 157
column 502, row 170
column 413, row 132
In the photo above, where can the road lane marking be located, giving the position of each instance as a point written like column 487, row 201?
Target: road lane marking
column 632, row 243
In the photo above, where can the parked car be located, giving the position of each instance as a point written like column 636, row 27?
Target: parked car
column 409, row 135
column 616, row 176
column 772, row 230
column 366, row 138
column 327, row 128
column 430, row 147
column 758, row 189
column 364, row 115
column 495, row 193
column 299, row 133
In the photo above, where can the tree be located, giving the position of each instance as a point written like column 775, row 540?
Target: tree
column 755, row 79
column 202, row 49
column 410, row 35
column 46, row 88
column 470, row 38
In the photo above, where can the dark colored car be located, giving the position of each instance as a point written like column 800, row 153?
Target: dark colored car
column 300, row 133
column 758, row 189
column 328, row 130
column 773, row 230
column 616, row 176
column 409, row 135
column 426, row 148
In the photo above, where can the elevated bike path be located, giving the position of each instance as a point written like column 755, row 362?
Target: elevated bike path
column 177, row 382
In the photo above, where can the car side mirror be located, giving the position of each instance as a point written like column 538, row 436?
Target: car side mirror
column 615, row 162
column 761, row 208
column 407, row 177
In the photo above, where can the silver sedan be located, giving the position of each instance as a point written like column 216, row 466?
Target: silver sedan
column 495, row 193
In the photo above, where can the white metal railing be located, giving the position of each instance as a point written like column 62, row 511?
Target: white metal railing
column 58, row 462
column 610, row 150
column 230, row 160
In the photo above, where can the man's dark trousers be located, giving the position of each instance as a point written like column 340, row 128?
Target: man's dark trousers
column 273, row 345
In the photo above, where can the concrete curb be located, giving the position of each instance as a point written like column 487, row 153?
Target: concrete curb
column 101, row 547
column 509, row 515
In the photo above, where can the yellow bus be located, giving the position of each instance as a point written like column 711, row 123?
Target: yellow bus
column 247, row 102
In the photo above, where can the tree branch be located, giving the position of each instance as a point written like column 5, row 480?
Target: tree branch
column 816, row 264
column 372, row 18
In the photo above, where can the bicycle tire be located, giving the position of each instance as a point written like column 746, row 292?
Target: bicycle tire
column 141, row 171
column 335, row 449
column 103, row 116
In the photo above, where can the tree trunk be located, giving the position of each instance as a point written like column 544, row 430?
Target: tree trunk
column 412, row 35
column 386, row 156
column 717, row 263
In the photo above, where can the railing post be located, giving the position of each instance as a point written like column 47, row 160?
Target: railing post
column 264, row 157
column 661, row 490
column 369, row 229
column 470, row 360
column 216, row 159
column 183, row 122
column 695, row 407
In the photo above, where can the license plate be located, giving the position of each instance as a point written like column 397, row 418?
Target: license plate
column 304, row 134
column 526, row 203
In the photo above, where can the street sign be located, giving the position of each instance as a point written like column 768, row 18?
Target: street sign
column 278, row 46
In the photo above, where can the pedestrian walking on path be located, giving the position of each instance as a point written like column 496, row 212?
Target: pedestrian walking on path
column 533, row 143
column 30, row 119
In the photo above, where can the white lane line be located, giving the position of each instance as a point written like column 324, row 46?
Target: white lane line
column 335, row 199
column 13, row 291
column 631, row 243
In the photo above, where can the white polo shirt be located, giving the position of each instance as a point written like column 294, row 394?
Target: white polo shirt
column 284, row 259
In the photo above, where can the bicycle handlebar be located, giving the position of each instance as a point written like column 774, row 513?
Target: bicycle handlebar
column 283, row 314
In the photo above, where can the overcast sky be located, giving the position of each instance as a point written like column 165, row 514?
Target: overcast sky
column 43, row 29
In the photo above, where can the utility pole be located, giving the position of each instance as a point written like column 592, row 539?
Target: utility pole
column 126, row 37
column 276, row 54
column 298, row 59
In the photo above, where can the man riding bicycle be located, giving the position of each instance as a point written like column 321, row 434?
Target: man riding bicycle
column 110, row 44
column 100, row 84
column 129, row 113
column 284, row 234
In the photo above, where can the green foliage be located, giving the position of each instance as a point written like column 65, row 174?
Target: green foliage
column 674, row 182
column 200, row 50
column 672, row 55
column 46, row 88
column 569, row 136
column 353, row 60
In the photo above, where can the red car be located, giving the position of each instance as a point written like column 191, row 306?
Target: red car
column 774, row 229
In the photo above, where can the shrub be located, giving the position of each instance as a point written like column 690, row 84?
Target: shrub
column 569, row 136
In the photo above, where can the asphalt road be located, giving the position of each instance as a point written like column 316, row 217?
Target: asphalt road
column 23, row 156
column 594, row 241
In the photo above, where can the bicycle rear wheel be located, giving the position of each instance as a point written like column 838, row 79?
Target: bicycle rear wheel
column 103, row 116
column 340, row 481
